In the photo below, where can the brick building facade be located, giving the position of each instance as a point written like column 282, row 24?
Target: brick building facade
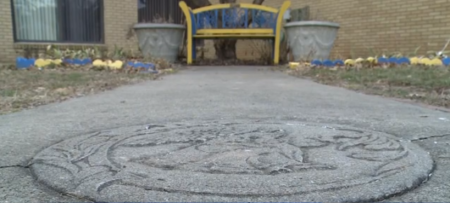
column 118, row 16
column 391, row 25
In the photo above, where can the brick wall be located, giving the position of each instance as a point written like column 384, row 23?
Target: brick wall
column 120, row 16
column 6, row 32
column 389, row 25
column 392, row 25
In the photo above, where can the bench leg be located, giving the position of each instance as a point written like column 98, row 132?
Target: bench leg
column 276, row 50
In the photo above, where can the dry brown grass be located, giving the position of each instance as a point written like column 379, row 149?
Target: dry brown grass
column 22, row 89
column 421, row 84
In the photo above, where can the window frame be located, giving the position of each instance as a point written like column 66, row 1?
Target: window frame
column 101, row 28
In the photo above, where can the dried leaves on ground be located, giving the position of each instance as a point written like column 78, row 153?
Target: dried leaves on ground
column 429, row 85
column 21, row 89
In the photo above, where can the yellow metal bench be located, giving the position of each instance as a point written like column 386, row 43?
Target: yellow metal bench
column 234, row 21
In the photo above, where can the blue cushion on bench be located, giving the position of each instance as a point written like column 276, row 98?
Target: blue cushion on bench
column 234, row 18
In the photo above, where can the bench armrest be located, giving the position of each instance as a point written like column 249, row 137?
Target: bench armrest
column 190, row 18
column 279, row 23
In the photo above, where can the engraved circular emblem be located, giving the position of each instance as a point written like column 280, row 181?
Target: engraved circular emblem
column 254, row 161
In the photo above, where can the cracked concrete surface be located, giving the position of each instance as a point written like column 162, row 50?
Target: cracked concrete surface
column 430, row 137
column 216, row 93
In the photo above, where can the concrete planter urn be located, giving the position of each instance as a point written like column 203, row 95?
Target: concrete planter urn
column 162, row 41
column 310, row 40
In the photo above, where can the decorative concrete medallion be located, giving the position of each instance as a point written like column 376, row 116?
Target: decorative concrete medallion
column 254, row 161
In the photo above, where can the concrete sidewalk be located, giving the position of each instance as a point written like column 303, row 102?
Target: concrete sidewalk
column 203, row 94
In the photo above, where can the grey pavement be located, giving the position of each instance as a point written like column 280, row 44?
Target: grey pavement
column 202, row 94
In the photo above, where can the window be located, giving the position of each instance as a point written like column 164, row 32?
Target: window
column 79, row 21
column 159, row 11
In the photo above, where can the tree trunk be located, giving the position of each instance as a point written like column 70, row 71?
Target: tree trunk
column 225, row 48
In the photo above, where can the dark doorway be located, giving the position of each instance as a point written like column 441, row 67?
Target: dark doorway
column 159, row 11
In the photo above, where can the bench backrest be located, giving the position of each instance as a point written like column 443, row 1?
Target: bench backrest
column 234, row 16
